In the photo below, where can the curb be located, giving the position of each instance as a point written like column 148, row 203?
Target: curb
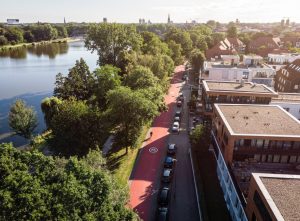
column 196, row 189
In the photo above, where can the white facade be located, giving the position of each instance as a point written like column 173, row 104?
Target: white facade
column 282, row 58
column 13, row 21
column 292, row 107
column 219, row 71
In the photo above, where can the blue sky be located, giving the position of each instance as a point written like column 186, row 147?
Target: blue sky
column 155, row 10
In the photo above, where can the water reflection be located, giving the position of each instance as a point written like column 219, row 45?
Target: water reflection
column 50, row 50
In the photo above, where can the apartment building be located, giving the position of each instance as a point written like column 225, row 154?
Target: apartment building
column 288, row 78
column 283, row 58
column 288, row 101
column 234, row 93
column 273, row 197
column 251, row 69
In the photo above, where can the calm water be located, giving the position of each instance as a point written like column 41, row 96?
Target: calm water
column 29, row 73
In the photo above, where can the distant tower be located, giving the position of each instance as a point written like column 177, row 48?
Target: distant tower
column 64, row 20
column 282, row 22
column 104, row 20
column 169, row 19
column 287, row 22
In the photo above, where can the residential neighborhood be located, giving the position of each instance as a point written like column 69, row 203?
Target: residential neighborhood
column 153, row 111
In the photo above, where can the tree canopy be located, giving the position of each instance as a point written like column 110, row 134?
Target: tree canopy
column 36, row 187
column 197, row 59
column 22, row 119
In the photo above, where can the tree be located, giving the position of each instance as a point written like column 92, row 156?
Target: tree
column 109, row 40
column 79, row 83
column 50, row 107
column 129, row 110
column 153, row 45
column 216, row 38
column 22, row 119
column 141, row 77
column 77, row 128
column 61, row 31
column 107, row 78
column 43, row 32
column 14, row 35
column 201, row 136
column 28, row 36
column 199, row 41
column 37, row 187
column 3, row 40
column 211, row 23
column 175, row 52
column 197, row 59
column 232, row 31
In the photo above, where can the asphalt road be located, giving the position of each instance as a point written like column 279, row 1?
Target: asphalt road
column 183, row 204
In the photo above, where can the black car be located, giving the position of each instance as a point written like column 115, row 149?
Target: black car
column 162, row 214
column 179, row 103
column 171, row 148
column 163, row 196
column 169, row 162
column 167, row 176
column 178, row 114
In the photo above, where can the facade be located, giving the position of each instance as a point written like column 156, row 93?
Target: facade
column 252, row 69
column 284, row 58
column 260, row 133
column 290, row 102
column 264, row 45
column 13, row 21
column 234, row 93
column 288, row 78
column 273, row 197
column 222, row 48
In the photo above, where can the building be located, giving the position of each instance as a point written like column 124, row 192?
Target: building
column 291, row 41
column 222, row 48
column 104, row 20
column 283, row 58
column 288, row 78
column 264, row 45
column 251, row 69
column 237, row 44
column 290, row 102
column 234, row 93
column 273, row 197
column 264, row 133
column 13, row 21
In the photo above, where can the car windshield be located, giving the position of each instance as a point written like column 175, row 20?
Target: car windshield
column 171, row 146
column 167, row 173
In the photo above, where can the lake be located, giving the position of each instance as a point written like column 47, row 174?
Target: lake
column 29, row 73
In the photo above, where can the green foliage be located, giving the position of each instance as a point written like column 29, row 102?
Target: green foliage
column 200, row 136
column 153, row 45
column 61, row 31
column 36, row 187
column 43, row 32
column 130, row 110
column 216, row 38
column 110, row 39
column 3, row 40
column 197, row 59
column 232, row 32
column 79, row 83
column 175, row 52
column 76, row 128
column 180, row 37
column 107, row 78
column 14, row 35
column 28, row 36
column 141, row 77
column 22, row 119
column 50, row 107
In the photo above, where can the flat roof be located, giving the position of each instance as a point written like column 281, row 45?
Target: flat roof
column 287, row 98
column 258, row 120
column 282, row 192
column 231, row 86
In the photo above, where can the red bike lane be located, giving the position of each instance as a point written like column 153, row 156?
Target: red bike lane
column 148, row 169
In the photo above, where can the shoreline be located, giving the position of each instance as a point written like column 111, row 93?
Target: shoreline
column 58, row 41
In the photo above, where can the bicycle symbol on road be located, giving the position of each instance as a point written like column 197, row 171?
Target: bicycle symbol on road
column 153, row 150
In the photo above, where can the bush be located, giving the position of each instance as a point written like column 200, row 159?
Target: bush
column 3, row 40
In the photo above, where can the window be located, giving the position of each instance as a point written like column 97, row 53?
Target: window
column 284, row 159
column 245, row 74
column 293, row 159
column 266, row 144
column 276, row 158
column 287, row 144
column 270, row 158
column 259, row 143
column 296, row 145
column 261, row 207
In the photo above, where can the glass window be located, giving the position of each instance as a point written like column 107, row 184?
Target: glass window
column 284, row 159
column 263, row 158
column 253, row 143
column 276, row 158
column 287, row 144
column 259, row 143
column 293, row 159
column 257, row 157
column 296, row 145
column 298, row 160
column 266, row 144
column 279, row 144
column 270, row 158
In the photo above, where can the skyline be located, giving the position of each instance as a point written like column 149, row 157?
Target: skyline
column 156, row 11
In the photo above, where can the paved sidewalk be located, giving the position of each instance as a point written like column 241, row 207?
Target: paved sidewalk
column 145, row 179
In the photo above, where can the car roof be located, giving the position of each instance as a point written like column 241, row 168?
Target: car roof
column 169, row 159
column 176, row 123
column 171, row 145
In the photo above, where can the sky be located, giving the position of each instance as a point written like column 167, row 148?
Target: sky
column 154, row 10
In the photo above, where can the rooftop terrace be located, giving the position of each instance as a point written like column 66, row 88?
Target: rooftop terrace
column 237, row 87
column 258, row 120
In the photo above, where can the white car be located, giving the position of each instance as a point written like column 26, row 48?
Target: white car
column 176, row 119
column 175, row 127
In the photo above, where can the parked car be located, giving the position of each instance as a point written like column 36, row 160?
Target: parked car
column 163, row 196
column 169, row 162
column 175, row 127
column 167, row 176
column 180, row 95
column 171, row 148
column 178, row 114
column 179, row 103
column 162, row 214
column 177, row 119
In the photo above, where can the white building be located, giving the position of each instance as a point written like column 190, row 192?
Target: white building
column 13, row 21
column 290, row 102
column 251, row 69
column 283, row 58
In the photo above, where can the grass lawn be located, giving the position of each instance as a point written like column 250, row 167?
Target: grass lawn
column 120, row 163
